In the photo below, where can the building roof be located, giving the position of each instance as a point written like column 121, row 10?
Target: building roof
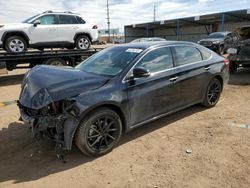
column 231, row 16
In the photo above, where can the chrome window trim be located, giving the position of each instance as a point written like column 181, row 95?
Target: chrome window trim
column 170, row 69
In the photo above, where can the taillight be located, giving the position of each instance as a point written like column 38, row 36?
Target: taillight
column 95, row 27
column 226, row 61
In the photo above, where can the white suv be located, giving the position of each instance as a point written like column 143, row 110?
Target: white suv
column 48, row 30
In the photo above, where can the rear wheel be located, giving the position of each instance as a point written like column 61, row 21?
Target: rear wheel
column 212, row 93
column 99, row 132
column 55, row 62
column 15, row 44
column 82, row 42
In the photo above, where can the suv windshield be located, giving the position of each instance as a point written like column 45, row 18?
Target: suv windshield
column 29, row 19
column 110, row 61
column 216, row 35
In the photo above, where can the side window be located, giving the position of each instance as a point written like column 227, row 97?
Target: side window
column 157, row 60
column 80, row 20
column 205, row 54
column 47, row 20
column 67, row 19
column 186, row 54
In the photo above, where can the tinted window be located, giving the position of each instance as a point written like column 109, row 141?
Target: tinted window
column 110, row 61
column 47, row 20
column 216, row 35
column 80, row 20
column 157, row 60
column 205, row 54
column 185, row 55
column 66, row 19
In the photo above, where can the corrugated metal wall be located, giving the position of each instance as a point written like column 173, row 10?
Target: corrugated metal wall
column 192, row 34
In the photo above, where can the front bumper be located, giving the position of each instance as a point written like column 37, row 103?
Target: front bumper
column 213, row 47
column 60, row 128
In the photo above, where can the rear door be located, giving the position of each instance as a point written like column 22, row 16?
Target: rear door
column 67, row 28
column 195, row 73
column 158, row 93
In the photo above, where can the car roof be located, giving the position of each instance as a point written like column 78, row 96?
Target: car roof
column 152, row 44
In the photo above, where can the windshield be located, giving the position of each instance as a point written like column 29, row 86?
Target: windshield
column 216, row 35
column 110, row 61
column 29, row 19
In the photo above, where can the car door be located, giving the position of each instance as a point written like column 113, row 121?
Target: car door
column 67, row 28
column 157, row 94
column 194, row 75
column 46, row 31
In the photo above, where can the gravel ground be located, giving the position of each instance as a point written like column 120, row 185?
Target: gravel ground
column 151, row 156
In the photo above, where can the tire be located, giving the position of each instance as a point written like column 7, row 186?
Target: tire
column 92, row 136
column 233, row 67
column 221, row 49
column 55, row 62
column 15, row 44
column 82, row 42
column 213, row 92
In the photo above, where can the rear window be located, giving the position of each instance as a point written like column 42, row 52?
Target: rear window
column 185, row 55
column 80, row 20
column 67, row 19
column 205, row 54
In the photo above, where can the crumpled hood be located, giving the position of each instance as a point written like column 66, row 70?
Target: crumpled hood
column 44, row 84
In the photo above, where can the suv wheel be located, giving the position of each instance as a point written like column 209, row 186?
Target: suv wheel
column 82, row 42
column 98, row 133
column 15, row 44
column 55, row 62
column 212, row 93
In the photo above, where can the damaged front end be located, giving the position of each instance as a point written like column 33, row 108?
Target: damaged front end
column 57, row 121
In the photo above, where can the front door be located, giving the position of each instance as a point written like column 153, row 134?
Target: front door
column 157, row 94
column 46, row 32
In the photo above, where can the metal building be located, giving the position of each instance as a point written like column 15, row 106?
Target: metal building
column 190, row 28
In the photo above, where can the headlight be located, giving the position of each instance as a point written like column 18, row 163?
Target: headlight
column 198, row 42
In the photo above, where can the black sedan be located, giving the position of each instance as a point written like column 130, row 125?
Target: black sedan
column 118, row 89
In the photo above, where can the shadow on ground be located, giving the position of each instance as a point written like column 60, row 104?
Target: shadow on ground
column 22, row 159
column 11, row 79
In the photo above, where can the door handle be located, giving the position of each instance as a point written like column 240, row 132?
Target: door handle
column 75, row 27
column 207, row 68
column 173, row 79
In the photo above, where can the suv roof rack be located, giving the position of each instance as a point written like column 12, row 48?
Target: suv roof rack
column 68, row 12
column 48, row 11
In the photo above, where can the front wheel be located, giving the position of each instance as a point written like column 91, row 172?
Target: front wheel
column 82, row 42
column 15, row 44
column 98, row 133
column 212, row 93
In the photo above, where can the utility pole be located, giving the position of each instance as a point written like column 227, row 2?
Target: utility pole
column 154, row 12
column 108, row 20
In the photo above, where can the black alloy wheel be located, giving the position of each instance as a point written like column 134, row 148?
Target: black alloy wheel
column 98, row 133
column 213, row 93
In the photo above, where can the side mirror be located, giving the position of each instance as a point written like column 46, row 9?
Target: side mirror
column 140, row 72
column 36, row 22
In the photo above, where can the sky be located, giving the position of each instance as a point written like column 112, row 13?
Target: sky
column 122, row 12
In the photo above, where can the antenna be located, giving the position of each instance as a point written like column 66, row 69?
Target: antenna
column 108, row 20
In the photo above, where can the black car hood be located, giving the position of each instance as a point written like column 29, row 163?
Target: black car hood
column 44, row 84
column 212, row 40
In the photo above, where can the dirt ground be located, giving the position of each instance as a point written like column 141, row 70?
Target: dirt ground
column 153, row 155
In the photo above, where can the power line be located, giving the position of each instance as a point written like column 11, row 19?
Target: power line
column 154, row 12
